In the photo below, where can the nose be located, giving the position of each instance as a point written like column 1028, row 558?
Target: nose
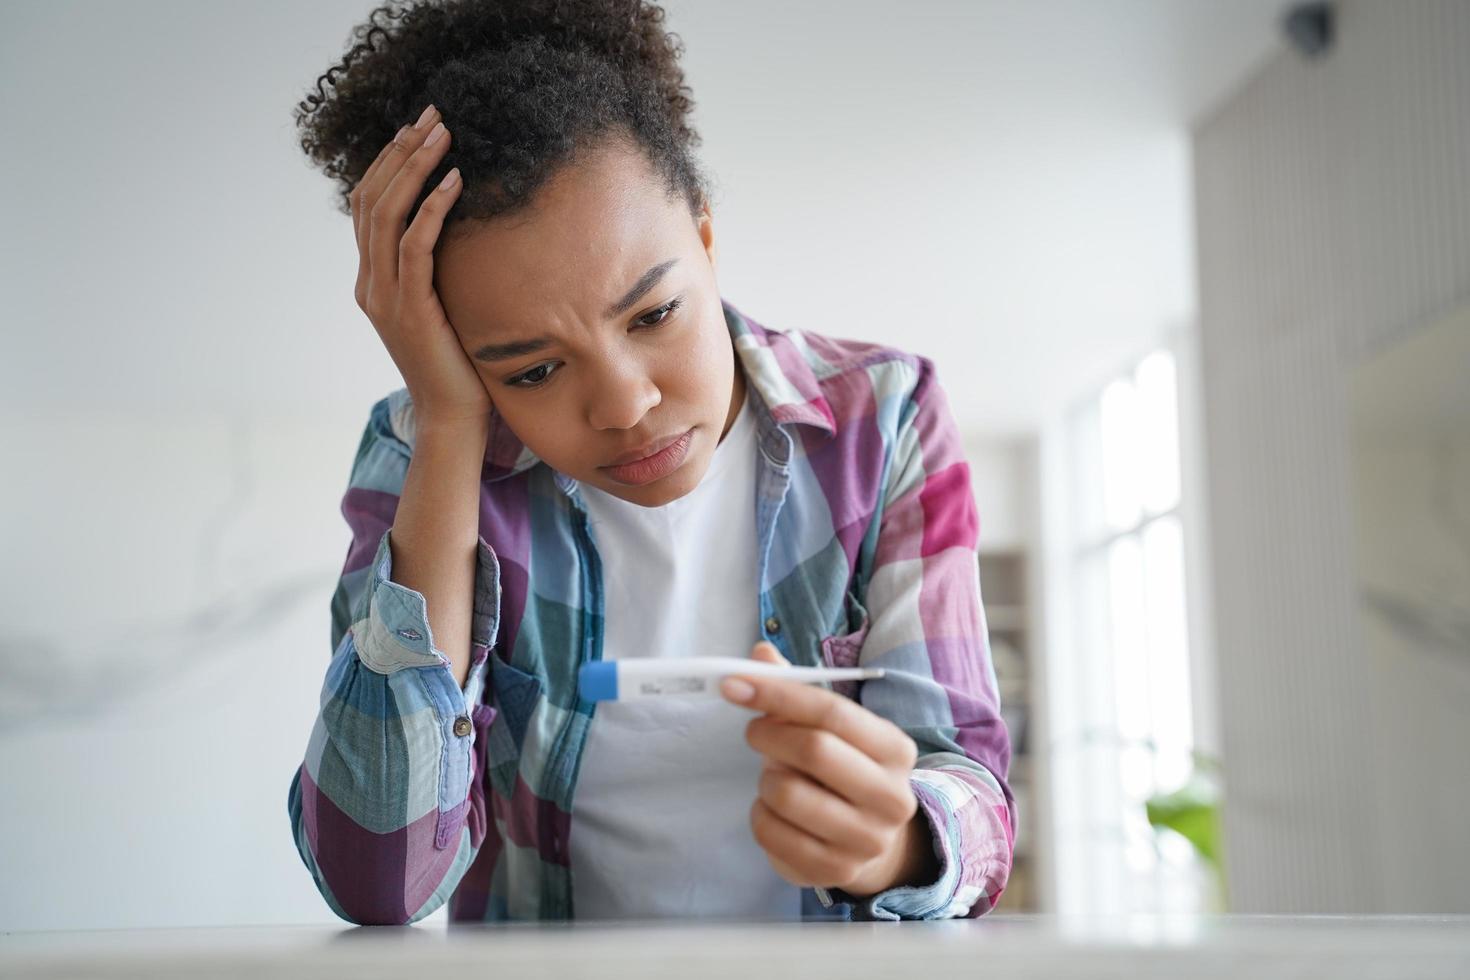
column 621, row 396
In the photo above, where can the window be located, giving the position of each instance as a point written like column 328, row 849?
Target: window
column 1120, row 705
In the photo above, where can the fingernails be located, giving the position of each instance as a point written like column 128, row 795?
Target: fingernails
column 737, row 690
column 427, row 115
column 434, row 134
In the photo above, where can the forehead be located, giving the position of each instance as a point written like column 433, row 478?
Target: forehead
column 590, row 232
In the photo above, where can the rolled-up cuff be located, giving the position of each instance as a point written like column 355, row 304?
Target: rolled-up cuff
column 395, row 632
column 915, row 901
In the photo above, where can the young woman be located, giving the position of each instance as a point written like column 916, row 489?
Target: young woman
column 596, row 457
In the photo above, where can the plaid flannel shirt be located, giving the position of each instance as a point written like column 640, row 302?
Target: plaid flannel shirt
column 415, row 791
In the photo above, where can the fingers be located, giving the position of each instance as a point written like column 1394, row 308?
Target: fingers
column 416, row 252
column 385, row 194
column 816, row 707
column 790, row 848
column 833, row 763
column 802, row 802
column 388, row 213
column 766, row 651
column 370, row 187
column 361, row 197
column 374, row 179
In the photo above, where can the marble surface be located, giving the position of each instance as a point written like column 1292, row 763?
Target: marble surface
column 998, row 945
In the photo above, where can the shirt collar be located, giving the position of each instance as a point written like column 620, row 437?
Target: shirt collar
column 776, row 369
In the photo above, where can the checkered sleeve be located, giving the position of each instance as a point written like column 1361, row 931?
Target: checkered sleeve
column 926, row 626
column 386, row 810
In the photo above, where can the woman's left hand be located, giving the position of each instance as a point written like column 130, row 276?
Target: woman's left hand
column 835, row 807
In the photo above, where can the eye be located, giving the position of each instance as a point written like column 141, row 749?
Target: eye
column 531, row 376
column 663, row 313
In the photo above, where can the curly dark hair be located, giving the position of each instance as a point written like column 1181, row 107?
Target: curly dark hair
column 526, row 86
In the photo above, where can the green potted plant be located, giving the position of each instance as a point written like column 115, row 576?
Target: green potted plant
column 1193, row 812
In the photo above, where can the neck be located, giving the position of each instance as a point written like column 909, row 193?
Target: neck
column 737, row 398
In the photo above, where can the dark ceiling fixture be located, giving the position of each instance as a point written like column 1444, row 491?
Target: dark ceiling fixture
column 1308, row 27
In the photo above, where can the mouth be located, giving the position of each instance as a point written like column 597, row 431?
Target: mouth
column 668, row 455
column 646, row 450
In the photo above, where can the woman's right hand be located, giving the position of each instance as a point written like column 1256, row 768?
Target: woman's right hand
column 395, row 275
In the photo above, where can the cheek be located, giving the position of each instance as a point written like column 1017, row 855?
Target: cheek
column 710, row 357
column 537, row 428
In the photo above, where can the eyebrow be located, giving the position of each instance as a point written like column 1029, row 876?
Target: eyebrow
column 516, row 348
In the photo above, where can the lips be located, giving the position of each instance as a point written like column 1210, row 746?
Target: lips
column 655, row 467
column 646, row 450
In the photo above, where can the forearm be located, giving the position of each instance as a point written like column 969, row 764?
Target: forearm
column 435, row 532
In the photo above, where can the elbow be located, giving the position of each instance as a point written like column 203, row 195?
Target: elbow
column 360, row 874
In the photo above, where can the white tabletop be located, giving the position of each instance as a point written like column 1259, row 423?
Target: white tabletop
column 995, row 945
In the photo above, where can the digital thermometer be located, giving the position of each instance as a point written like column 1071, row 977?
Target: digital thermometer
column 657, row 677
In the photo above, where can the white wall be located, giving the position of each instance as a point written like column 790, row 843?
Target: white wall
column 1333, row 202
column 1008, row 182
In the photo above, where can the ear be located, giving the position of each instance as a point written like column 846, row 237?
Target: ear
column 767, row 652
column 706, row 228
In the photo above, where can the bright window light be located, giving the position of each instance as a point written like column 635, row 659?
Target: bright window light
column 1123, row 721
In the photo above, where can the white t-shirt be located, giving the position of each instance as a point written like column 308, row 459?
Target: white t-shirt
column 660, row 823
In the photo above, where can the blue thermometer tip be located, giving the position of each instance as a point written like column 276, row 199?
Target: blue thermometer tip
column 598, row 681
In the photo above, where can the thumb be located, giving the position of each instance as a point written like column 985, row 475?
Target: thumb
column 767, row 652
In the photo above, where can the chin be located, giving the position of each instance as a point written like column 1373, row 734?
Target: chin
column 669, row 489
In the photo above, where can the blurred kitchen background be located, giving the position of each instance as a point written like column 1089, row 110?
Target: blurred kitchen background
column 1196, row 274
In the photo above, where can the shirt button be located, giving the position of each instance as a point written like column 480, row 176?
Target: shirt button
column 462, row 725
column 773, row 625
